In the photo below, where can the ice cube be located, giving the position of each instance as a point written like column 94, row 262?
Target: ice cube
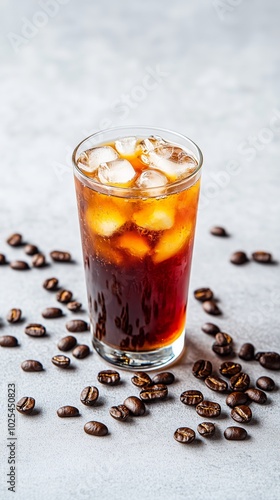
column 134, row 244
column 116, row 172
column 171, row 160
column 170, row 243
column 151, row 179
column 104, row 219
column 126, row 146
column 91, row 159
column 156, row 215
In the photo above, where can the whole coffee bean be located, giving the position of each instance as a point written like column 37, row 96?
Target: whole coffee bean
column 270, row 360
column 67, row 343
column 229, row 368
column 68, row 411
column 95, row 428
column 155, row 392
column 210, row 328
column 60, row 256
column 77, row 325
column 240, row 382
column 89, row 395
column 50, row 284
column 35, row 330
column 141, row 379
column 235, row 433
column 61, row 361
column 208, row 409
column 25, row 405
column 31, row 365
column 256, row 395
column 19, row 265
column 203, row 294
column 64, row 296
column 202, row 368
column 31, row 249
column 241, row 413
column 38, row 260
column 120, row 412
column 216, row 384
column 210, row 307
column 15, row 240
column 184, row 435
column 206, row 429
column 52, row 313
column 8, row 341
column 135, row 406
column 81, row 351
column 218, row 231
column 236, row 399
column 262, row 257
column 74, row 306
column 14, row 315
column 3, row 260
column 222, row 350
column 223, row 339
column 108, row 377
column 191, row 397
column 165, row 378
column 247, row 351
column 265, row 383
column 239, row 258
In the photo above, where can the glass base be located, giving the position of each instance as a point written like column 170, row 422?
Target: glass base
column 145, row 360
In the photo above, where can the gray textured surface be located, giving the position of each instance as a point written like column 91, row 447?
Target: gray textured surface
column 217, row 82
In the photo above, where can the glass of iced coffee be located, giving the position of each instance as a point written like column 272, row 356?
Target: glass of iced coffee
column 137, row 193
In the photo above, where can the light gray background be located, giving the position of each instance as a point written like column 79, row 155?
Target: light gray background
column 217, row 67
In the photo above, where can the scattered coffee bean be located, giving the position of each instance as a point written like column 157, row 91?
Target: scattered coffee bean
column 95, row 428
column 108, row 377
column 141, row 379
column 247, row 352
column 67, row 343
column 74, row 306
column 208, row 409
column 216, row 384
column 31, row 249
column 61, row 361
column 8, row 341
column 210, row 328
column 184, row 435
column 38, row 260
column 241, row 413
column 68, row 411
column 165, row 378
column 259, row 354
column 235, row 433
column 240, row 382
column 3, row 260
column 155, row 392
column 64, row 296
column 218, row 231
column 31, row 365
column 265, row 383
column 77, row 325
column 35, row 330
column 239, row 258
column 229, row 368
column 19, row 265
column 81, row 351
column 203, row 294
column 236, row 399
column 202, row 368
column 223, row 339
column 222, row 350
column 120, row 412
column 50, row 284
column 256, row 395
column 14, row 315
column 89, row 395
column 25, row 405
column 270, row 360
column 52, row 313
column 206, row 429
column 262, row 257
column 210, row 307
column 191, row 397
column 59, row 256
column 135, row 406
column 15, row 240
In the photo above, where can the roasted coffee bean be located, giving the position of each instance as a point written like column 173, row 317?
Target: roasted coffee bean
column 15, row 240
column 223, row 339
column 259, row 354
column 210, row 328
column 14, row 315
column 19, row 265
column 210, row 307
column 262, row 257
column 74, row 306
column 52, row 313
column 68, row 411
column 206, row 429
column 229, row 368
column 81, row 351
column 247, row 352
column 265, row 383
column 218, row 231
column 64, row 296
column 95, row 428
column 165, row 378
column 270, row 360
column 239, row 258
column 235, row 433
column 31, row 365
column 31, row 249
column 35, row 330
column 141, row 379
column 67, row 343
column 184, row 435
column 240, row 382
column 59, row 256
column 191, row 397
column 8, row 341
column 216, row 384
column 89, row 395
column 222, row 350
column 236, row 399
column 203, row 294
column 50, row 284
column 38, row 260
column 77, row 325
column 120, row 412
column 25, row 405
column 61, row 361
column 2, row 259
column 108, row 377
column 202, row 368
column 208, row 409
column 241, row 413
column 135, row 406
column 155, row 392
column 256, row 395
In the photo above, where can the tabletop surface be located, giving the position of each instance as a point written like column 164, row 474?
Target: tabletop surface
column 209, row 70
